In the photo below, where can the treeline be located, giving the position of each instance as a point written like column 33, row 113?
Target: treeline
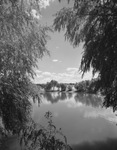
column 87, row 86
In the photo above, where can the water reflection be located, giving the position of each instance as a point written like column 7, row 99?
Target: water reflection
column 86, row 99
column 81, row 117
column 89, row 99
column 109, row 144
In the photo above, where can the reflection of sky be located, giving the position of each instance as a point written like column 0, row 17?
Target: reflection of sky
column 95, row 113
column 103, row 113
column 80, row 119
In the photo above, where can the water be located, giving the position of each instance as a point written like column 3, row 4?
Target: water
column 82, row 119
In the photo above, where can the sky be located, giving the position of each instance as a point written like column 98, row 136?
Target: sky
column 63, row 63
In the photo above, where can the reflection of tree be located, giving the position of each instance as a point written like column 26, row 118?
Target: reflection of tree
column 78, row 97
column 51, row 98
column 48, row 96
column 88, row 99
column 70, row 95
column 63, row 96
column 55, row 97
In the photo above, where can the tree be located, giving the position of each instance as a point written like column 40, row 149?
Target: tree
column 95, row 24
column 63, row 87
column 80, row 87
column 54, row 83
column 48, row 86
column 22, row 41
column 69, row 88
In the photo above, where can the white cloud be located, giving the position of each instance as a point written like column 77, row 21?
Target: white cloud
column 46, row 73
column 55, row 60
column 57, row 47
column 38, row 71
column 74, row 105
column 45, row 80
column 88, row 76
column 35, row 14
column 45, row 3
column 72, row 69
column 39, row 76
column 66, row 77
column 42, row 4
column 103, row 113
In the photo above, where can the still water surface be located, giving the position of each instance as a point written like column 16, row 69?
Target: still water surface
column 81, row 117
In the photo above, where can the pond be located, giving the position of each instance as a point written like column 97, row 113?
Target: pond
column 86, row 124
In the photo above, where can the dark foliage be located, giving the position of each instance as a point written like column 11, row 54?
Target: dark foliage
column 95, row 24
column 50, row 86
column 34, row 136
column 63, row 87
column 22, row 41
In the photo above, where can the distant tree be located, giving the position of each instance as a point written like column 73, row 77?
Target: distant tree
column 58, row 86
column 81, row 87
column 95, row 24
column 76, row 86
column 48, row 86
column 92, row 88
column 63, row 87
column 53, row 84
column 69, row 88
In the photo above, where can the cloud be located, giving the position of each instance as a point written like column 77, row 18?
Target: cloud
column 46, row 73
column 55, row 60
column 103, row 113
column 57, row 47
column 72, row 70
column 42, row 4
column 39, row 76
column 45, row 80
column 35, row 14
column 38, row 71
column 45, row 3
column 74, row 104
column 65, row 77
column 89, row 76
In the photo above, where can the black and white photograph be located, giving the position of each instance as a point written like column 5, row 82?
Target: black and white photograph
column 58, row 74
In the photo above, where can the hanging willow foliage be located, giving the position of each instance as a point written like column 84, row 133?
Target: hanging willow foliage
column 22, row 42
column 95, row 24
